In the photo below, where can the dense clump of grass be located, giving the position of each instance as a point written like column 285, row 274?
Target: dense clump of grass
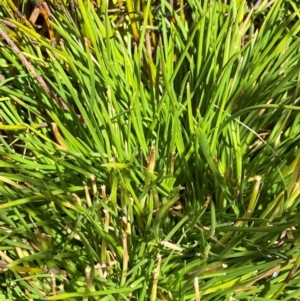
column 149, row 151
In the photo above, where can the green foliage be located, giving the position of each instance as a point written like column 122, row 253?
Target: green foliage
column 149, row 151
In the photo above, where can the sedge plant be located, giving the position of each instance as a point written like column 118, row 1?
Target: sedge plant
column 149, row 150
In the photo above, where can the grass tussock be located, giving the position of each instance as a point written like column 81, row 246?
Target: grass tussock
column 149, row 150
